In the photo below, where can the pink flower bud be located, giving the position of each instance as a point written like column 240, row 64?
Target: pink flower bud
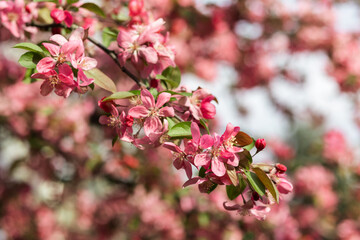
column 284, row 186
column 260, row 144
column 280, row 168
column 208, row 109
column 129, row 121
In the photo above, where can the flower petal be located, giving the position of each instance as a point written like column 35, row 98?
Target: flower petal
column 162, row 99
column 46, row 88
column 206, row 141
column 152, row 125
column 202, row 159
column 139, row 112
column 166, row 112
column 52, row 48
column 46, row 64
column 172, row 146
column 148, row 99
column 218, row 167
column 195, row 132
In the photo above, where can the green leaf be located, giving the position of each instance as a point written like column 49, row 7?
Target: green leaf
column 203, row 123
column 29, row 59
column 245, row 159
column 187, row 94
column 202, row 172
column 91, row 86
column 44, row 16
column 171, row 122
column 233, row 191
column 171, row 76
column 101, row 79
column 267, row 182
column 182, row 129
column 92, row 7
column 109, row 35
column 69, row 2
column 29, row 47
column 255, row 183
column 27, row 78
column 250, row 146
column 119, row 95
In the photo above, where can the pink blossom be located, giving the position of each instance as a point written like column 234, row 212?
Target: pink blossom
column 197, row 108
column 13, row 16
column 180, row 158
column 62, row 82
column 151, row 111
column 60, row 15
column 120, row 122
column 259, row 212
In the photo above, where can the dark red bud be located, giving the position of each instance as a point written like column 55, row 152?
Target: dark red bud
column 280, row 168
column 260, row 144
column 255, row 196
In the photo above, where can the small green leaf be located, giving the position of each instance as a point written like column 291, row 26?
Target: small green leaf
column 91, row 86
column 154, row 92
column 171, row 122
column 109, row 35
column 211, row 188
column 182, row 129
column 29, row 59
column 255, row 183
column 267, row 182
column 69, row 2
column 92, row 7
column 171, row 76
column 29, row 47
column 101, row 79
column 233, row 191
column 119, row 95
column 250, row 146
column 186, row 94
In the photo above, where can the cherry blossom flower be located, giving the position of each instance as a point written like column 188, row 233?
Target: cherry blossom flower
column 13, row 16
column 62, row 82
column 180, row 158
column 151, row 111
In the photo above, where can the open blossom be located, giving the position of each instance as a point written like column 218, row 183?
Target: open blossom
column 152, row 112
column 222, row 152
column 145, row 47
column 180, row 158
column 62, row 82
column 119, row 121
column 66, row 51
column 13, row 16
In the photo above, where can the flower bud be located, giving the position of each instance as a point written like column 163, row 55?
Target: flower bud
column 208, row 109
column 260, row 144
column 284, row 186
column 129, row 121
column 280, row 168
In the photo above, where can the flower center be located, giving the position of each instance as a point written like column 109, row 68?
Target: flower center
column 114, row 121
column 13, row 17
column 54, row 80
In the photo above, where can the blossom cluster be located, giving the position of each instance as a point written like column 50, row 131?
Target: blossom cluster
column 158, row 111
column 56, row 71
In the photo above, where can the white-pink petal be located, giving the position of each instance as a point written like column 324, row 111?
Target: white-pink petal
column 139, row 112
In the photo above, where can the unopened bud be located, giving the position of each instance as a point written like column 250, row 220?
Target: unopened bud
column 129, row 121
column 280, row 168
column 255, row 196
column 260, row 144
